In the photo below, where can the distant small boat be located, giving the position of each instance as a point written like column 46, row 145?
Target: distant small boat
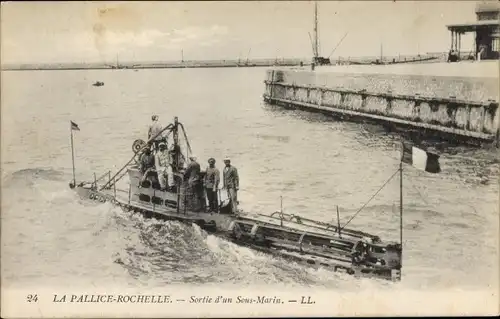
column 98, row 83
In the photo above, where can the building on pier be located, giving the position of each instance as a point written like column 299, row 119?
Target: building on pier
column 487, row 33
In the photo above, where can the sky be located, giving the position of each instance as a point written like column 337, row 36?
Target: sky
column 60, row 32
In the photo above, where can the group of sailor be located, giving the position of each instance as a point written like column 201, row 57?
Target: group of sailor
column 167, row 162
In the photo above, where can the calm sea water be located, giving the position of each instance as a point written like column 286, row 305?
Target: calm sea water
column 51, row 237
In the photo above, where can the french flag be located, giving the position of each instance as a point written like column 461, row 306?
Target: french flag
column 420, row 158
column 74, row 126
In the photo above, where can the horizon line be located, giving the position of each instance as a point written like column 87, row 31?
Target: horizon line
column 240, row 61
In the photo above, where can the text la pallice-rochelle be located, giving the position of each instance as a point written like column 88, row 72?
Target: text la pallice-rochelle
column 113, row 298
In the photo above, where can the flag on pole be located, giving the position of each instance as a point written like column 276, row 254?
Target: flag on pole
column 420, row 158
column 74, row 126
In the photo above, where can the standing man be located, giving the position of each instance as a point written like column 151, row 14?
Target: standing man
column 231, row 183
column 154, row 131
column 195, row 186
column 192, row 173
column 211, row 183
column 162, row 165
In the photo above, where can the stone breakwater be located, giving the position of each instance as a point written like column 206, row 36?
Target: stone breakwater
column 448, row 107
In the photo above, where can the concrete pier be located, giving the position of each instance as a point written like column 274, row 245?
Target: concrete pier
column 462, row 107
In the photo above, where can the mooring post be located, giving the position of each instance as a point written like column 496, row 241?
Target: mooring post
column 363, row 101
column 388, row 100
column 320, row 90
column 483, row 117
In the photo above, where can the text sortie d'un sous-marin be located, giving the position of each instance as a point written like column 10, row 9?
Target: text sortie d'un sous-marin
column 94, row 298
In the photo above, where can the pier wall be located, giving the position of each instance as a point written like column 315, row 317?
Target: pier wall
column 458, row 107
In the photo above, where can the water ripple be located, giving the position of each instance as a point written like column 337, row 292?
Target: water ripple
column 312, row 161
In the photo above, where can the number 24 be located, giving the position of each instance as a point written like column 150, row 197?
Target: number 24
column 32, row 298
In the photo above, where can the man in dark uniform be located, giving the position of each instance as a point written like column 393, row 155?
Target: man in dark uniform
column 147, row 164
column 195, row 187
column 211, row 183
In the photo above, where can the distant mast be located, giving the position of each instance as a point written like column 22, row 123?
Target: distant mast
column 381, row 52
column 316, row 44
column 317, row 60
column 248, row 55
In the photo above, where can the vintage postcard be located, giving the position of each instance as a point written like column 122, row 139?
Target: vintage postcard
column 249, row 159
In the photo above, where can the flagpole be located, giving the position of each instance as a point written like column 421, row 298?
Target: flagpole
column 401, row 204
column 72, row 155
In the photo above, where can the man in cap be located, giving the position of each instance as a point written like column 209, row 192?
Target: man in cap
column 155, row 132
column 163, row 168
column 192, row 173
column 147, row 164
column 211, row 183
column 231, row 183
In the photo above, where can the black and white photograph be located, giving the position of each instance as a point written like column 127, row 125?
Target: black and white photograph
column 185, row 159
